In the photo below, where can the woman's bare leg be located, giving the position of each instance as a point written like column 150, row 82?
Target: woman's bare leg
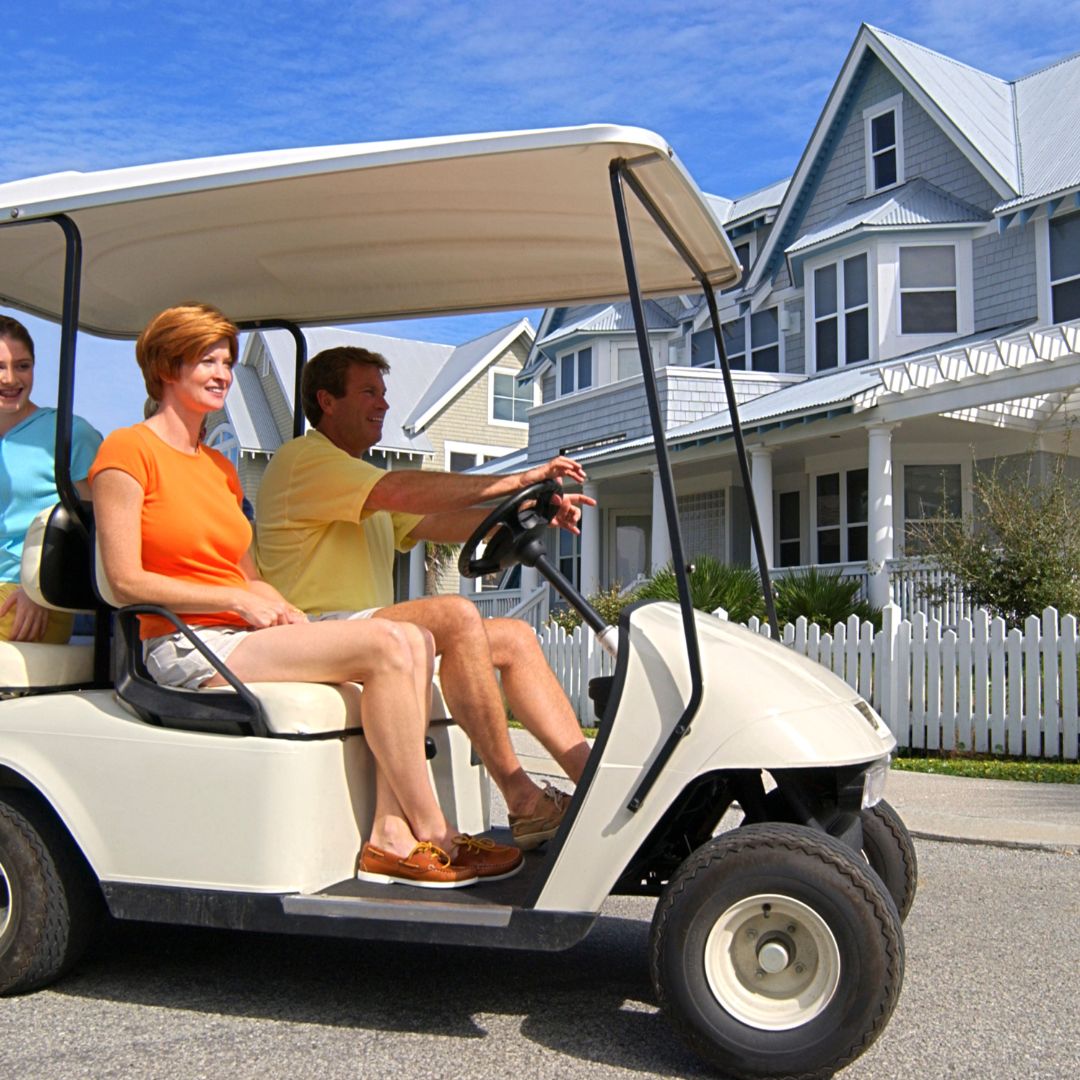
column 383, row 656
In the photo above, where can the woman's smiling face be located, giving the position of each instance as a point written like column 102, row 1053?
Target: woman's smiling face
column 16, row 378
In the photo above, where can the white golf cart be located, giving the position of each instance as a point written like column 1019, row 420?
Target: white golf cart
column 776, row 947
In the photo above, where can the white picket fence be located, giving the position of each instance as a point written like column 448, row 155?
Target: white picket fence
column 976, row 687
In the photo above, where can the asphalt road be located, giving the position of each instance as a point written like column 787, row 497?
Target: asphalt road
column 992, row 982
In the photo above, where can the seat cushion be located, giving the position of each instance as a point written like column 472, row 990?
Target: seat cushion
column 26, row 665
column 297, row 708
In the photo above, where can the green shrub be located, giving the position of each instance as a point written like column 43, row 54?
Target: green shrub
column 713, row 584
column 608, row 604
column 823, row 597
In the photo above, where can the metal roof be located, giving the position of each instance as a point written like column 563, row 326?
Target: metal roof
column 915, row 204
column 327, row 235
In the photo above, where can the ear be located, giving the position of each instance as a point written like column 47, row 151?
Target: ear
column 326, row 401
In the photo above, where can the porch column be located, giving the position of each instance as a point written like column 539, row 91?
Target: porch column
column 530, row 579
column 590, row 543
column 417, row 575
column 661, row 541
column 880, row 521
column 761, row 482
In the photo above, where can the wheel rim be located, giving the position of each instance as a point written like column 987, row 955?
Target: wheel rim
column 772, row 962
column 5, row 902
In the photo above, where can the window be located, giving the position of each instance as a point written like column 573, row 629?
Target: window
column 462, row 456
column 703, row 348
column 931, row 493
column 841, row 504
column 510, row 403
column 569, row 557
column 575, row 371
column 1065, row 267
column 883, row 126
column 223, row 439
column 702, row 524
column 928, row 289
column 759, row 334
column 790, row 539
column 841, row 313
column 631, row 547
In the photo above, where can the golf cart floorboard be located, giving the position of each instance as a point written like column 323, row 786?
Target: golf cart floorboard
column 498, row 913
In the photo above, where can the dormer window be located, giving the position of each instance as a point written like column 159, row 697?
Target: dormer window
column 883, row 129
column 1065, row 267
column 575, row 371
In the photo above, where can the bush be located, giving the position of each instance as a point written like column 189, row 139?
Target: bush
column 713, row 584
column 1021, row 553
column 823, row 597
column 607, row 602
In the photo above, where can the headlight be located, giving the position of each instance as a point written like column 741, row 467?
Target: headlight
column 874, row 783
column 872, row 718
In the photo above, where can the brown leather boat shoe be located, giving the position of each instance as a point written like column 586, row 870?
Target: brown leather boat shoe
column 425, row 867
column 491, row 861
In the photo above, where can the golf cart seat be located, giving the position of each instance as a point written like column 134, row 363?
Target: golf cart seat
column 54, row 575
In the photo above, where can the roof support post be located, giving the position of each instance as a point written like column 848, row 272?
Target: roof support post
column 619, row 172
column 301, row 358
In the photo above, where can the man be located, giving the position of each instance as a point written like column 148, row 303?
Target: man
column 328, row 526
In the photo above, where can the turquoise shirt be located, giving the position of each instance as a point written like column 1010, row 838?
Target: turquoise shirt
column 28, row 480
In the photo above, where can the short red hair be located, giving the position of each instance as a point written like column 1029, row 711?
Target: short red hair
column 177, row 336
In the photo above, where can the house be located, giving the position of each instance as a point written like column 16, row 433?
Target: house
column 451, row 408
column 908, row 312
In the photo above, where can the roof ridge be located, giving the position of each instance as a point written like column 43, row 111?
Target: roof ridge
column 1046, row 67
column 939, row 55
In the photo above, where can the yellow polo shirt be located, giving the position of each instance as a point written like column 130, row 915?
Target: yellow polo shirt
column 315, row 542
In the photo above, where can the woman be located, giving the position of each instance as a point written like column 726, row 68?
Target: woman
column 28, row 482
column 171, row 530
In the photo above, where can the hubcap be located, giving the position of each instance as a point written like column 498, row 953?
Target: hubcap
column 5, row 901
column 772, row 962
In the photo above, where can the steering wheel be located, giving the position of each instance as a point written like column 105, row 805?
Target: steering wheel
column 517, row 531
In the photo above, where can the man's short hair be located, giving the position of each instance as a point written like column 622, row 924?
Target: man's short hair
column 14, row 330
column 328, row 371
column 177, row 336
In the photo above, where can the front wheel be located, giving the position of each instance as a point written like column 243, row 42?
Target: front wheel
column 889, row 850
column 48, row 905
column 776, row 953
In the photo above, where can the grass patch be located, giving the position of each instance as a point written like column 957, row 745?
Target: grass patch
column 982, row 766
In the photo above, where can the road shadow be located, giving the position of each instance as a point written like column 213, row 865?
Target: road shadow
column 594, row 1002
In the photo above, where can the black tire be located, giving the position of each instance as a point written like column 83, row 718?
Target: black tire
column 889, row 851
column 48, row 904
column 834, row 947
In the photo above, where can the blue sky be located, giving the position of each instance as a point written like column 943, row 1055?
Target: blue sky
column 735, row 87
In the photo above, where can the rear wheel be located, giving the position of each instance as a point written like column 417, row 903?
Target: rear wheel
column 47, row 904
column 890, row 852
column 775, row 952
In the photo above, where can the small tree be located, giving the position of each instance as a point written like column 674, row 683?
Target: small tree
column 1020, row 553
column 607, row 602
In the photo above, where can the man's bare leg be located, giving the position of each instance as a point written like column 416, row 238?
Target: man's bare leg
column 467, row 677
column 534, row 695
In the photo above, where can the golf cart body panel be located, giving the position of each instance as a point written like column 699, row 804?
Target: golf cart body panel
column 161, row 806
column 764, row 708
column 353, row 233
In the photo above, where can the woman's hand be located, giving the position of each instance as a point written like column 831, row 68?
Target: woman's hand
column 31, row 620
column 261, row 610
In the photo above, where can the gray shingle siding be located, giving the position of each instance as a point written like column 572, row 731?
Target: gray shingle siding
column 795, row 352
column 1004, row 285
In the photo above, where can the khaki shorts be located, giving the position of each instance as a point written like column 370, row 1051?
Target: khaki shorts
column 173, row 661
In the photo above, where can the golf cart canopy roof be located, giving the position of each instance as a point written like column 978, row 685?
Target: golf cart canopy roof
column 364, row 231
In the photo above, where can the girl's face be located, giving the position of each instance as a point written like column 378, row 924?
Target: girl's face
column 16, row 377
column 203, row 383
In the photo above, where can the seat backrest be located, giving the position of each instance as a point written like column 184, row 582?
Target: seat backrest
column 55, row 570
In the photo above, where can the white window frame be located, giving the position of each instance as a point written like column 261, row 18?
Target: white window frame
column 737, row 242
column 575, row 389
column 1048, row 289
column 779, row 539
column 476, row 449
column 933, row 461
column 513, row 373
column 224, row 440
column 837, row 260
column 843, row 524
column 894, row 105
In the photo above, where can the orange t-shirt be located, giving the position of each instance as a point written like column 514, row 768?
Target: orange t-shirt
column 193, row 527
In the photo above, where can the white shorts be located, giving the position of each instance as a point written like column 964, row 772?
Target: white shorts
column 173, row 661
